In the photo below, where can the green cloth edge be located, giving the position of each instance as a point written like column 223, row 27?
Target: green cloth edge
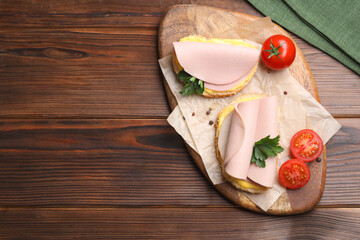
column 280, row 13
column 342, row 28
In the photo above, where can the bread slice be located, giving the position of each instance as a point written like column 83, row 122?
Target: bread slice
column 244, row 185
column 212, row 93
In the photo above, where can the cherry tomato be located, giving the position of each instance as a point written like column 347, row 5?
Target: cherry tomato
column 306, row 145
column 278, row 52
column 294, row 174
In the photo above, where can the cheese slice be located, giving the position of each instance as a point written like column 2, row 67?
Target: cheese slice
column 221, row 66
column 251, row 121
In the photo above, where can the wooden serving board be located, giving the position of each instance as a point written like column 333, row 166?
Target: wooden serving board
column 184, row 20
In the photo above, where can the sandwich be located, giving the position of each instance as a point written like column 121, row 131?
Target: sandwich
column 214, row 68
column 245, row 122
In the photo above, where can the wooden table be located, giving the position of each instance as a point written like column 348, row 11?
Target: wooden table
column 86, row 152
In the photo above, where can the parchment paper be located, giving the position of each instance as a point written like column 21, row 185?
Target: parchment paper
column 298, row 110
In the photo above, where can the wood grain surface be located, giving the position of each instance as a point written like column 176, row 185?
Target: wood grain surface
column 132, row 162
column 87, row 71
column 163, row 223
column 76, row 123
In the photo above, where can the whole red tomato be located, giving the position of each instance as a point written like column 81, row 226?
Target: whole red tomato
column 278, row 52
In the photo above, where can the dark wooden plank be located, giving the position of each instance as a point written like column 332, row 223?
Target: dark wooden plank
column 132, row 162
column 89, row 72
column 89, row 13
column 97, row 73
column 175, row 223
column 343, row 158
column 121, row 162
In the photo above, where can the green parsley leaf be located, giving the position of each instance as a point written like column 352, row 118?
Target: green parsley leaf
column 264, row 148
column 253, row 159
column 192, row 84
column 259, row 154
column 182, row 75
column 260, row 163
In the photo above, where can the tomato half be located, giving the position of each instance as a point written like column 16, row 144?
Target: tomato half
column 294, row 174
column 278, row 52
column 306, row 145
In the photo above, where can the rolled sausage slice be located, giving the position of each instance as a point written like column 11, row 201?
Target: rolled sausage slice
column 251, row 121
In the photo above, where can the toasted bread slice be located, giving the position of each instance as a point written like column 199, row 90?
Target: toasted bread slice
column 244, row 185
column 212, row 93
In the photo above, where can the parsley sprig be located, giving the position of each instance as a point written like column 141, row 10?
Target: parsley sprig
column 265, row 148
column 192, row 84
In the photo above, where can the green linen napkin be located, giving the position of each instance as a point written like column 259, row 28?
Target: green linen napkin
column 332, row 26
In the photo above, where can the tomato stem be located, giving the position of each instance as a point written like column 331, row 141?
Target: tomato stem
column 274, row 50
